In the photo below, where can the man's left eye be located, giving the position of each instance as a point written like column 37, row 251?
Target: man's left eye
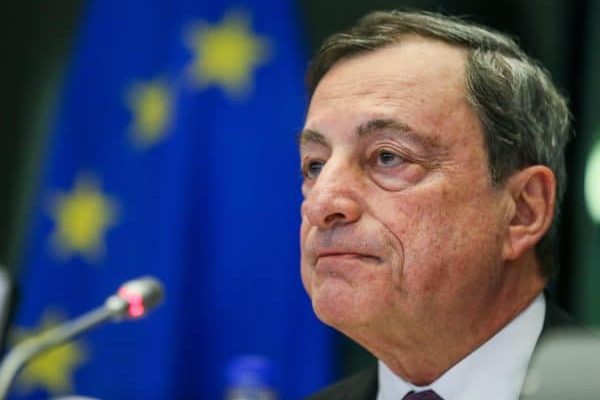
column 386, row 158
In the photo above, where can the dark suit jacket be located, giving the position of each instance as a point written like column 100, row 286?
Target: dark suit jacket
column 363, row 386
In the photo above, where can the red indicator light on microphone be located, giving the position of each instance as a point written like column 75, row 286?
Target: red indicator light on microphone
column 135, row 301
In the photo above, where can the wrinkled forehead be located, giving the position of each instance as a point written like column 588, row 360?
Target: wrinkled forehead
column 412, row 59
column 425, row 75
column 420, row 82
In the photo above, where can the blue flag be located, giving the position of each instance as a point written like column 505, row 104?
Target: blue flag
column 173, row 154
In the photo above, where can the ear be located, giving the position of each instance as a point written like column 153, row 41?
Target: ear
column 533, row 193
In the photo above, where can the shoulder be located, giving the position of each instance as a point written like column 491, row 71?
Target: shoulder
column 565, row 349
column 560, row 324
column 360, row 386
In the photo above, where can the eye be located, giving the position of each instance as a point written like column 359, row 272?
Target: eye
column 312, row 168
column 387, row 158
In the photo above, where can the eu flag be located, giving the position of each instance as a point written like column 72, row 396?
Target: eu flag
column 173, row 154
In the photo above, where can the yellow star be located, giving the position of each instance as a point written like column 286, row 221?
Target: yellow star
column 226, row 54
column 52, row 370
column 82, row 218
column 151, row 104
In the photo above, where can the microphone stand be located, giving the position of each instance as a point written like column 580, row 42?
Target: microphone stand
column 145, row 292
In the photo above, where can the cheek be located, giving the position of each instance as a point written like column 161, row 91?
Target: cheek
column 446, row 233
column 304, row 227
column 423, row 222
column 306, row 270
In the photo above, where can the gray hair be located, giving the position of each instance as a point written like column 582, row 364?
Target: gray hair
column 524, row 117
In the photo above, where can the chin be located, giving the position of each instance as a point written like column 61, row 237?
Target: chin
column 335, row 305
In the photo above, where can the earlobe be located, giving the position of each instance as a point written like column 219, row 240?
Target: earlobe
column 533, row 192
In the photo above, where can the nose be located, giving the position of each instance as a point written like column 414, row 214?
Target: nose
column 334, row 199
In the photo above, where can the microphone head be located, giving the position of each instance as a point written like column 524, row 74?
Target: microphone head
column 136, row 298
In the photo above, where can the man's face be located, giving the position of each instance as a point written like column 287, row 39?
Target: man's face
column 401, row 226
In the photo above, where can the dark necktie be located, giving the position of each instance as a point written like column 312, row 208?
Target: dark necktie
column 424, row 395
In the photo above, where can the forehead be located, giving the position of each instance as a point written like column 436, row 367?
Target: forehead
column 430, row 63
column 419, row 82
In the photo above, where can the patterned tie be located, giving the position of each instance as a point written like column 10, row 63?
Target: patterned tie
column 424, row 395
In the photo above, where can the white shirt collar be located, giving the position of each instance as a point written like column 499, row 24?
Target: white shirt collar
column 497, row 368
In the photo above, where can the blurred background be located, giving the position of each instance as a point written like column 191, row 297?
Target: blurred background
column 158, row 137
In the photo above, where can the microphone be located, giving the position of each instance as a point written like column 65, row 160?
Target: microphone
column 133, row 300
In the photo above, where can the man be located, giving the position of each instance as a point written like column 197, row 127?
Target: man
column 433, row 163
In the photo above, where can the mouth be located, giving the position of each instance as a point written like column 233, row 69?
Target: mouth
column 345, row 255
column 343, row 265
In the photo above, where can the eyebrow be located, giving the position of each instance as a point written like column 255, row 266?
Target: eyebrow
column 398, row 128
column 370, row 127
column 375, row 125
column 310, row 136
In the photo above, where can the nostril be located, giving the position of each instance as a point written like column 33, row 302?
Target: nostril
column 333, row 217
